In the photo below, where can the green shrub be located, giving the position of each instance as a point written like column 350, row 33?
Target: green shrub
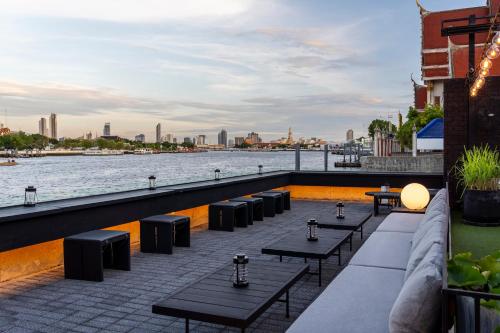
column 479, row 169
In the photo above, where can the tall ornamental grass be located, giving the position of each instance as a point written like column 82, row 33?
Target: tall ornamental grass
column 479, row 169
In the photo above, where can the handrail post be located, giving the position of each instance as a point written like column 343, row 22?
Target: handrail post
column 297, row 157
column 326, row 157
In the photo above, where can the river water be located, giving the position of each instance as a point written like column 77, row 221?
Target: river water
column 78, row 176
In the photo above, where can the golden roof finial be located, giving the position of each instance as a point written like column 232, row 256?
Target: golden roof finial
column 423, row 11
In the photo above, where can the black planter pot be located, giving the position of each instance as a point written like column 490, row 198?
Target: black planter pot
column 482, row 208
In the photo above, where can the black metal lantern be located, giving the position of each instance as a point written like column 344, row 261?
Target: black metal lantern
column 30, row 197
column 312, row 226
column 240, row 271
column 152, row 182
column 340, row 210
column 260, row 169
column 217, row 174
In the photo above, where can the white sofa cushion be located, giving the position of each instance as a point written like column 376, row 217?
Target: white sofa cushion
column 359, row 300
column 416, row 310
column 401, row 222
column 435, row 212
column 384, row 249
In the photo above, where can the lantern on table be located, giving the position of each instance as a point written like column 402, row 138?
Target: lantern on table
column 240, row 271
column 260, row 169
column 152, row 182
column 30, row 197
column 312, row 226
column 340, row 210
column 217, row 174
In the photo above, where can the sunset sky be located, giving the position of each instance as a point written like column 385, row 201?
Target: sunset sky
column 197, row 66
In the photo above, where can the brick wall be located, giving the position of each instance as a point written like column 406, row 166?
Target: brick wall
column 483, row 116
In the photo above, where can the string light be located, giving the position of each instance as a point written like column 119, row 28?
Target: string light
column 486, row 64
column 484, row 72
column 496, row 39
column 479, row 83
column 493, row 52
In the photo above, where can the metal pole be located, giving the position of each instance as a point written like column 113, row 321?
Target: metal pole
column 297, row 157
column 326, row 157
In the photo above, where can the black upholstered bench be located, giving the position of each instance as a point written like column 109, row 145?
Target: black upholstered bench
column 160, row 233
column 226, row 215
column 273, row 203
column 87, row 254
column 286, row 198
column 255, row 208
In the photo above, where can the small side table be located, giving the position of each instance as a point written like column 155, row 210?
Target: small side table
column 225, row 215
column 87, row 254
column 159, row 233
column 255, row 208
column 273, row 203
column 286, row 197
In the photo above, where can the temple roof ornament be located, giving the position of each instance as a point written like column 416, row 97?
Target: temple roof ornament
column 423, row 11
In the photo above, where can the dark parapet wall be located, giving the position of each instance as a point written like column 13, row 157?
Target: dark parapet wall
column 469, row 122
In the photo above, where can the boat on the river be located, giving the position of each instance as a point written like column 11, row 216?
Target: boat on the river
column 143, row 151
column 8, row 163
column 102, row 152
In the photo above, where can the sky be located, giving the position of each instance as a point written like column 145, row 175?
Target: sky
column 196, row 66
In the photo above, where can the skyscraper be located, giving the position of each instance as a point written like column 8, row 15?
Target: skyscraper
column 140, row 138
column 222, row 138
column 253, row 138
column 53, row 125
column 202, row 140
column 42, row 127
column 158, row 133
column 107, row 129
column 239, row 140
column 349, row 135
column 169, row 138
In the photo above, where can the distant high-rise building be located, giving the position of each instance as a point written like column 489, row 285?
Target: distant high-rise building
column 140, row 138
column 289, row 140
column 349, row 135
column 222, row 138
column 230, row 143
column 53, row 125
column 174, row 140
column 169, row 138
column 187, row 139
column 202, row 140
column 88, row 136
column 107, row 129
column 253, row 138
column 239, row 140
column 158, row 133
column 42, row 127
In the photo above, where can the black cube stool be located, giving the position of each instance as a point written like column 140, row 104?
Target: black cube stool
column 160, row 233
column 87, row 254
column 273, row 203
column 255, row 208
column 286, row 197
column 225, row 215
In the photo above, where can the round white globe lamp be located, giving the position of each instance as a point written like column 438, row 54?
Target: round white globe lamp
column 415, row 196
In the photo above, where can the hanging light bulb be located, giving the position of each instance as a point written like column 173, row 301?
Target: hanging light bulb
column 493, row 52
column 484, row 72
column 496, row 39
column 473, row 92
column 486, row 63
column 479, row 83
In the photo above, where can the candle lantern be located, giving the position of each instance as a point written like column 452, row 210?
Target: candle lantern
column 385, row 188
column 312, row 226
column 30, row 197
column 260, row 169
column 240, row 271
column 217, row 174
column 152, row 182
column 340, row 210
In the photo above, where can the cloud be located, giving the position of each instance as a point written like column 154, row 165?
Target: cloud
column 127, row 10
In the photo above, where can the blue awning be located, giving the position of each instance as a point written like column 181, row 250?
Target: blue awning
column 433, row 130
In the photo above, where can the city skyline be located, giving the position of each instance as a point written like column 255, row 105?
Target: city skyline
column 310, row 65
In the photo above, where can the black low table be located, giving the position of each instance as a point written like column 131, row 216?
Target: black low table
column 160, row 233
column 286, row 198
column 255, row 208
column 225, row 215
column 296, row 245
column 352, row 221
column 87, row 254
column 393, row 198
column 273, row 203
column 213, row 298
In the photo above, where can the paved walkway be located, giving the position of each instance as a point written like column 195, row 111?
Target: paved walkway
column 46, row 302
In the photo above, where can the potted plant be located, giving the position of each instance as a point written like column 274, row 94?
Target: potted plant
column 479, row 173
